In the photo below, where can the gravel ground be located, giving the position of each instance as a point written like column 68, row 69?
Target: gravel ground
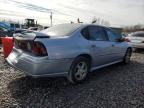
column 116, row 86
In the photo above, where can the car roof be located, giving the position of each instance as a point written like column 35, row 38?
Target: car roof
column 82, row 24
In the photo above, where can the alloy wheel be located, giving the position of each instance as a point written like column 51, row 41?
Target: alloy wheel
column 81, row 71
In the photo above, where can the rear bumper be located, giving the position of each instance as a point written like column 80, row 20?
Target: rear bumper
column 40, row 67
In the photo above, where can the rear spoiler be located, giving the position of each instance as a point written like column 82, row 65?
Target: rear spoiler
column 29, row 35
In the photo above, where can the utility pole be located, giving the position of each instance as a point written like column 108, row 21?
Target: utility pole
column 51, row 17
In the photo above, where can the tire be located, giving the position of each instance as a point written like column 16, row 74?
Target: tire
column 127, row 56
column 79, row 70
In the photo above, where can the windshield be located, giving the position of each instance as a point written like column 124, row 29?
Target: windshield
column 61, row 30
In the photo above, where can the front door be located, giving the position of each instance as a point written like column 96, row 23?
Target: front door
column 117, row 48
column 99, row 46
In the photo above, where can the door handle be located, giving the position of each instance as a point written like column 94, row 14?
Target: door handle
column 93, row 46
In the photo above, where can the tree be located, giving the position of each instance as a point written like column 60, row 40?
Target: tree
column 137, row 27
column 100, row 21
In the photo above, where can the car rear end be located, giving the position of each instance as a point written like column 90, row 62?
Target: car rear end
column 136, row 40
column 30, row 55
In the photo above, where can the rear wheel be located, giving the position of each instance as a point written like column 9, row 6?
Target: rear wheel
column 127, row 56
column 79, row 70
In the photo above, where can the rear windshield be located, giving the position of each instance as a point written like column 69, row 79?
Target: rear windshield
column 61, row 30
column 138, row 34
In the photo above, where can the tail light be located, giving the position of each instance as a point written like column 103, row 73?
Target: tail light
column 39, row 49
column 127, row 40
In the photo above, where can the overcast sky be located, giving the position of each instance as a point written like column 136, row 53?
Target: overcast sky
column 117, row 12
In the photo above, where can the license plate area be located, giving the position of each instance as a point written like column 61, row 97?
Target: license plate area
column 25, row 45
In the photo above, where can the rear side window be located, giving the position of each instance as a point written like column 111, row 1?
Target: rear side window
column 85, row 33
column 97, row 33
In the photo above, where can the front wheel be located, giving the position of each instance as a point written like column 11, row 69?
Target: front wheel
column 79, row 70
column 127, row 56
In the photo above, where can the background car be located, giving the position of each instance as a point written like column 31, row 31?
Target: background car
column 20, row 30
column 70, row 50
column 3, row 33
column 136, row 39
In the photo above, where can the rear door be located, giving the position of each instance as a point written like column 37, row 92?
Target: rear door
column 99, row 46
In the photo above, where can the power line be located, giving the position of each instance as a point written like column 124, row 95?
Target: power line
column 34, row 7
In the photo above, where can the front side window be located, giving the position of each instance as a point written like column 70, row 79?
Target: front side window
column 97, row 34
column 112, row 36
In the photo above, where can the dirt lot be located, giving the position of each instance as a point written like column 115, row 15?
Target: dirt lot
column 117, row 86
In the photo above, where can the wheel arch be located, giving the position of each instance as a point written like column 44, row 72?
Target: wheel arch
column 88, row 56
column 69, row 76
column 130, row 49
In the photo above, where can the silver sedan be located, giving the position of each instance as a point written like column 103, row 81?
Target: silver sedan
column 70, row 50
column 136, row 39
